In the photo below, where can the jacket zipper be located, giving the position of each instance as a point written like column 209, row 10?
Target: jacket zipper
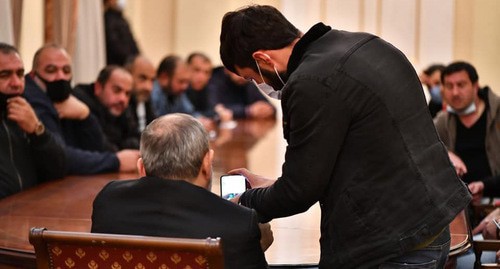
column 11, row 151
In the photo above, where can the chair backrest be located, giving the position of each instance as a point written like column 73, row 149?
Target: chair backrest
column 485, row 245
column 58, row 249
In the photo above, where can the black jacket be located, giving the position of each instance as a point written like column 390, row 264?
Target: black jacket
column 82, row 139
column 120, row 42
column 175, row 208
column 26, row 160
column 120, row 132
column 361, row 141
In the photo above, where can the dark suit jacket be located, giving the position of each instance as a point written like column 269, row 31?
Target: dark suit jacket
column 174, row 208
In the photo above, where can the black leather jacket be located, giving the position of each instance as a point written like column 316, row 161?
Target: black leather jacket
column 361, row 141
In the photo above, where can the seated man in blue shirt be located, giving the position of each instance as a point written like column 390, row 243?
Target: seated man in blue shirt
column 169, row 89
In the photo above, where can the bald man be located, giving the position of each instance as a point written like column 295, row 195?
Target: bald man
column 48, row 90
column 143, row 74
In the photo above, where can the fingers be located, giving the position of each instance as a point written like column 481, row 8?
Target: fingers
column 21, row 112
column 240, row 171
column 479, row 228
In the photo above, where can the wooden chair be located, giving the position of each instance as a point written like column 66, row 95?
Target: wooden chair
column 481, row 211
column 485, row 245
column 57, row 249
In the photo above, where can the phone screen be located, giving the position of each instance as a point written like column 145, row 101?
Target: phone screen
column 232, row 185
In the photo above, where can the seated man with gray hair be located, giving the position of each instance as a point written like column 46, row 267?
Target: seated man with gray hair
column 173, row 199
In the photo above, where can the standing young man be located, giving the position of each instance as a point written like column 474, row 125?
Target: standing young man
column 360, row 141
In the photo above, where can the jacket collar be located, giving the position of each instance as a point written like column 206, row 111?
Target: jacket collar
column 317, row 31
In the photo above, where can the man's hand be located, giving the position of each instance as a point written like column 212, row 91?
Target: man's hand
column 486, row 226
column 266, row 236
column 476, row 188
column 459, row 165
column 21, row 112
column 224, row 113
column 256, row 181
column 72, row 108
column 128, row 159
column 260, row 110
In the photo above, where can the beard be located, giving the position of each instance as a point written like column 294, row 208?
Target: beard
column 273, row 80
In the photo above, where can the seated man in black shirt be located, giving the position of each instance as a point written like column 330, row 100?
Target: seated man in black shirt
column 239, row 95
column 470, row 129
column 108, row 100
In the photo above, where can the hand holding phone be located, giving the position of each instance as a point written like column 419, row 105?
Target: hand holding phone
column 233, row 185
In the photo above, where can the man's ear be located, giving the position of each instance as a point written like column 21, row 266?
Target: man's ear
column 163, row 79
column 263, row 58
column 206, row 166
column 98, row 88
column 140, row 167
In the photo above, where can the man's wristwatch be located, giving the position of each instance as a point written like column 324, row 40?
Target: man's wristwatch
column 39, row 129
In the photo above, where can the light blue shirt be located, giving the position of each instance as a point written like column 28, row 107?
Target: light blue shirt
column 162, row 105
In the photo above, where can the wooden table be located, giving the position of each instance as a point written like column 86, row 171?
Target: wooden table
column 67, row 204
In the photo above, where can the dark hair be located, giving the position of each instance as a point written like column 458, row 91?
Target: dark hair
column 7, row 48
column 433, row 68
column 193, row 55
column 168, row 65
column 250, row 29
column 106, row 72
column 460, row 66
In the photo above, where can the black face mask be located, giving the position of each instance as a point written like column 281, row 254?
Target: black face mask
column 58, row 90
column 3, row 101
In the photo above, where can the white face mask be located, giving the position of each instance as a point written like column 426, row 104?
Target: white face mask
column 468, row 110
column 266, row 88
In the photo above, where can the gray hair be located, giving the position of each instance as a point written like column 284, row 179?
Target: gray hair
column 173, row 147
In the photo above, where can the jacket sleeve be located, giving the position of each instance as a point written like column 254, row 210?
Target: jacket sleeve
column 247, row 247
column 86, row 162
column 49, row 156
column 491, row 186
column 317, row 122
column 85, row 134
column 99, row 218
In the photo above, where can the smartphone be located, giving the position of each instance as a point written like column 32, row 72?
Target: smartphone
column 232, row 185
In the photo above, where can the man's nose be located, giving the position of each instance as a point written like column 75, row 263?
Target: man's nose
column 124, row 98
column 16, row 81
column 60, row 74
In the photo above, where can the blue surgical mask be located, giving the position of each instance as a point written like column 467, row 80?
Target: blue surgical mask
column 266, row 88
column 435, row 92
column 468, row 110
